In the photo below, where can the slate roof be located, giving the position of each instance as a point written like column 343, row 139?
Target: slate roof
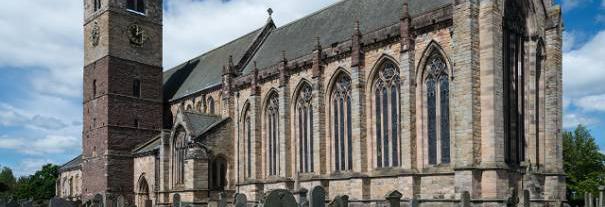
column 75, row 163
column 149, row 146
column 200, row 123
column 206, row 70
column 333, row 24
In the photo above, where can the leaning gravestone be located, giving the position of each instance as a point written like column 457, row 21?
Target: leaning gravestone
column 279, row 198
column 340, row 201
column 240, row 200
column 317, row 197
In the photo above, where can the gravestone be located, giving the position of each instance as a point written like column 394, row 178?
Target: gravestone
column 317, row 197
column 176, row 200
column 222, row 199
column 97, row 201
column 414, row 202
column 601, row 196
column 120, row 201
column 526, row 198
column 12, row 203
column 28, row 203
column 394, row 198
column 279, row 198
column 340, row 201
column 302, row 197
column 465, row 199
column 240, row 200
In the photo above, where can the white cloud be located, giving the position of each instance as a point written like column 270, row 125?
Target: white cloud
column 572, row 4
column 193, row 27
column 571, row 120
column 592, row 103
column 584, row 68
column 51, row 144
column 569, row 40
column 30, row 166
column 11, row 116
column 51, row 43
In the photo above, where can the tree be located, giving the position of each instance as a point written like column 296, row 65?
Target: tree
column 7, row 182
column 40, row 186
column 583, row 163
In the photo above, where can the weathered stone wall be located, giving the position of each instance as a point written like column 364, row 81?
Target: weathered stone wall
column 469, row 35
column 70, row 185
column 145, row 172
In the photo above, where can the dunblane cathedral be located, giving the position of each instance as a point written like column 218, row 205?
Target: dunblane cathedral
column 434, row 100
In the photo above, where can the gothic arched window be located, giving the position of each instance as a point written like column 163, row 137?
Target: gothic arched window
column 304, row 122
column 218, row 173
column 515, row 35
column 341, row 123
column 438, row 109
column 272, row 134
column 210, row 103
column 386, row 115
column 198, row 106
column 179, row 150
column 247, row 134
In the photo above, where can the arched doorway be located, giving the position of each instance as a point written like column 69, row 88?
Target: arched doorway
column 143, row 199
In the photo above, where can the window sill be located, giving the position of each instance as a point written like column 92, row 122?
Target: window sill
column 136, row 12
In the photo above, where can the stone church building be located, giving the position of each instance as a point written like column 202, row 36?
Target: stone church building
column 431, row 98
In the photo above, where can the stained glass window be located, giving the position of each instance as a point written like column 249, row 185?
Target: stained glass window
column 342, row 133
column 386, row 117
column 437, row 106
column 273, row 134
column 305, row 131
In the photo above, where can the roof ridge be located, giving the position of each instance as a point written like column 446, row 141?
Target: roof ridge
column 312, row 14
column 214, row 49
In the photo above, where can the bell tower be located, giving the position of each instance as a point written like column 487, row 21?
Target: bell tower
column 122, row 92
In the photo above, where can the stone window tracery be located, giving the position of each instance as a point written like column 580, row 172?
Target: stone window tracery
column 386, row 116
column 341, row 123
column 514, row 84
column 272, row 134
column 437, row 109
column 304, row 113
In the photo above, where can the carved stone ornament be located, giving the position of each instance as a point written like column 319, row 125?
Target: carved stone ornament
column 137, row 35
column 95, row 34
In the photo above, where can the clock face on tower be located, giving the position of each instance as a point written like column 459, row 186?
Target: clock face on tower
column 137, row 35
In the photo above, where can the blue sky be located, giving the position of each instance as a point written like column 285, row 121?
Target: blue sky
column 41, row 65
